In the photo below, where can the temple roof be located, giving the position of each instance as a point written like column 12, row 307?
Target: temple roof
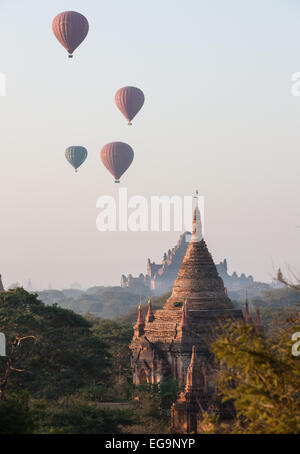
column 198, row 279
column 197, row 303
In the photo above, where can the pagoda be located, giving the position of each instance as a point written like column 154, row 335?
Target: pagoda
column 162, row 345
column 185, row 411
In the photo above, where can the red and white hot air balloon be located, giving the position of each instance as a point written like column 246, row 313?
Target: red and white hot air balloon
column 70, row 28
column 117, row 157
column 129, row 100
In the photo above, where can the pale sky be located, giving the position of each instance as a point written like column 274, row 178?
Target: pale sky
column 219, row 116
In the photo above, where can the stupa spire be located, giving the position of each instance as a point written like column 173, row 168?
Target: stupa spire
column 197, row 225
column 140, row 319
column 140, row 325
column 198, row 276
column 150, row 315
column 247, row 315
column 1, row 285
column 194, row 376
column 258, row 324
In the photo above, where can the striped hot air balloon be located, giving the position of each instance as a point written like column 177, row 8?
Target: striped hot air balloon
column 129, row 101
column 70, row 28
column 76, row 155
column 117, row 157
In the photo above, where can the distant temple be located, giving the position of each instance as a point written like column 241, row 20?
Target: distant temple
column 160, row 278
column 174, row 342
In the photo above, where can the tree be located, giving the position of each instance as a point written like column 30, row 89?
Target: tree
column 118, row 336
column 16, row 416
column 65, row 355
column 151, row 406
column 79, row 417
column 64, row 363
column 261, row 377
column 11, row 363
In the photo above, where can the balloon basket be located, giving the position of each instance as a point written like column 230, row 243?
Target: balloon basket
column 129, row 124
column 117, row 181
column 70, row 56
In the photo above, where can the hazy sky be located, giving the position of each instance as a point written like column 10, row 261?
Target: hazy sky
column 219, row 116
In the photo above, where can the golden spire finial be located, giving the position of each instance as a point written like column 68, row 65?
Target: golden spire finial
column 197, row 225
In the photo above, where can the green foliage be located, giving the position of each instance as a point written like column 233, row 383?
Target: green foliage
column 104, row 302
column 177, row 304
column 278, row 298
column 118, row 336
column 275, row 306
column 168, row 391
column 64, row 355
column 66, row 363
column 16, row 415
column 78, row 417
column 262, row 378
column 151, row 406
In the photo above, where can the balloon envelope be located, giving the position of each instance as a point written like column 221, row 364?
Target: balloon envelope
column 76, row 155
column 129, row 101
column 117, row 157
column 70, row 28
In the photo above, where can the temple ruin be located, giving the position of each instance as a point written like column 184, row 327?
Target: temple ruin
column 159, row 278
column 174, row 342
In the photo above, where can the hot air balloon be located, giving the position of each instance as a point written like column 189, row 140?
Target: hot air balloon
column 117, row 157
column 70, row 28
column 129, row 101
column 76, row 156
